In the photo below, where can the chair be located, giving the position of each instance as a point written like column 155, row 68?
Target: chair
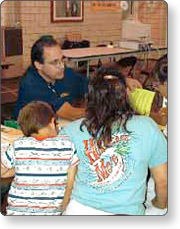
column 74, row 40
column 74, row 36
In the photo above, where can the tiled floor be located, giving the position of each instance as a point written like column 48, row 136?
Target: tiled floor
column 9, row 90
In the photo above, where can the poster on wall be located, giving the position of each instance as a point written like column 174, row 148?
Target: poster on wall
column 64, row 11
column 105, row 5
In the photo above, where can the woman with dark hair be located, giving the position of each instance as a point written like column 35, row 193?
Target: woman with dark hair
column 115, row 148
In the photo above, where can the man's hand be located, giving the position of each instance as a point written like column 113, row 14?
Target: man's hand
column 66, row 111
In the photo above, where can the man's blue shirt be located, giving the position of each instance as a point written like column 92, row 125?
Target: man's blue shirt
column 33, row 87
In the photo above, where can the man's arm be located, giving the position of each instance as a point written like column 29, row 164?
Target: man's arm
column 70, row 181
column 159, row 174
column 68, row 112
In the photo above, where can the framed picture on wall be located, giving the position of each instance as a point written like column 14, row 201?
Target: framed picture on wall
column 67, row 11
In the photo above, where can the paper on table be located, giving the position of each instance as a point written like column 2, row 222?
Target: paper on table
column 8, row 135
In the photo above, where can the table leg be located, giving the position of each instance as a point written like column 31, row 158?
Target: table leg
column 88, row 69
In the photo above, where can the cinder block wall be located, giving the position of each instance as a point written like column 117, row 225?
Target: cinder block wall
column 34, row 17
column 155, row 14
column 97, row 27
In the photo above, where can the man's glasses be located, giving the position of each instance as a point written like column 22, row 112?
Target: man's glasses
column 56, row 63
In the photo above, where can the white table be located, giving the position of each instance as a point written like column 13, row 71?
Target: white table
column 96, row 53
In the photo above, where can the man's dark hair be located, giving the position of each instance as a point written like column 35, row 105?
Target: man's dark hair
column 37, row 51
column 34, row 116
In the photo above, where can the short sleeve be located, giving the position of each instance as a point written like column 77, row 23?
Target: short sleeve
column 74, row 159
column 8, row 157
column 159, row 150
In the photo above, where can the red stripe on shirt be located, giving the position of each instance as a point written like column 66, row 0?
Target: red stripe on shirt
column 27, row 206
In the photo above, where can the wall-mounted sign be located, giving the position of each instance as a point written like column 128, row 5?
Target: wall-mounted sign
column 105, row 5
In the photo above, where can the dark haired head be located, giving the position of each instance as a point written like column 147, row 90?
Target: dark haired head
column 160, row 70
column 35, row 116
column 107, row 103
column 37, row 50
column 127, row 61
column 163, row 72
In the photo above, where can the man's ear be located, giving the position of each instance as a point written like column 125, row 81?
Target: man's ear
column 38, row 65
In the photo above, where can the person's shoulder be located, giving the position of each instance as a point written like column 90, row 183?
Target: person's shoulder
column 32, row 78
column 70, row 72
column 60, row 141
column 142, row 118
column 63, row 140
column 29, row 74
column 74, row 124
column 21, row 141
column 61, row 137
column 144, row 121
column 30, row 71
column 73, row 127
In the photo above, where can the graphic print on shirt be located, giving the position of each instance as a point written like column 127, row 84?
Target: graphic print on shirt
column 41, row 174
column 112, row 166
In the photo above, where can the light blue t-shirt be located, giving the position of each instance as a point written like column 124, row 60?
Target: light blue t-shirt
column 114, row 180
